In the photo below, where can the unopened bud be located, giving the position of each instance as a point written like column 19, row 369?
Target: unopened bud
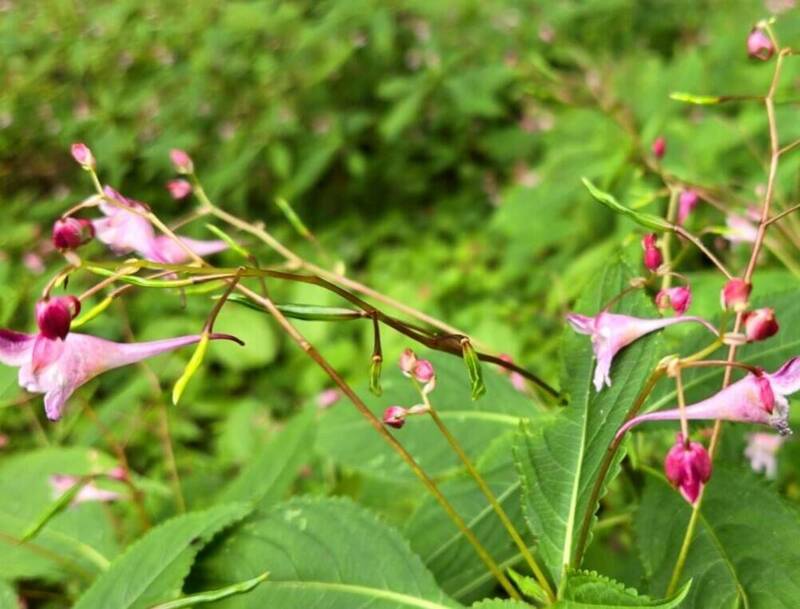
column 659, row 147
column 179, row 189
column 408, row 360
column 425, row 374
column 735, row 294
column 83, row 156
column 688, row 467
column 687, row 201
column 69, row 233
column 678, row 298
column 181, row 161
column 760, row 324
column 395, row 416
column 652, row 254
column 759, row 45
column 54, row 315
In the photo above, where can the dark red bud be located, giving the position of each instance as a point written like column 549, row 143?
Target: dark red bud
column 760, row 324
column 54, row 315
column 70, row 233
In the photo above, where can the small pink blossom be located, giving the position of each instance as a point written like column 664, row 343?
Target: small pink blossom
column 688, row 468
column 740, row 229
column 327, row 398
column 611, row 332
column 679, row 298
column 33, row 262
column 659, row 147
column 759, row 45
column 687, row 201
column 760, row 324
column 762, row 449
column 61, row 484
column 71, row 362
column 754, row 399
column 179, row 189
column 181, row 161
column 408, row 360
column 82, row 155
column 735, row 294
column 652, row 254
column 70, row 233
column 395, row 416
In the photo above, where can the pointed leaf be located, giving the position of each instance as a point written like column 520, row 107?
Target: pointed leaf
column 214, row 595
column 588, row 590
column 650, row 221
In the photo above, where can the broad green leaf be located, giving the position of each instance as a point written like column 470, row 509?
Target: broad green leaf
column 214, row 595
column 78, row 541
column 345, row 436
column 587, row 590
column 268, row 475
column 152, row 570
column 744, row 553
column 322, row 553
column 558, row 459
column 445, row 551
column 647, row 220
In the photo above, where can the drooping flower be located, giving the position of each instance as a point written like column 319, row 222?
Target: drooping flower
column 688, row 467
column 611, row 332
column 82, row 155
column 70, row 233
column 679, row 298
column 125, row 229
column 61, row 483
column 395, row 416
column 760, row 324
column 652, row 256
column 659, row 147
column 687, row 201
column 74, row 361
column 735, row 294
column 179, row 189
column 757, row 398
column 759, row 45
column 762, row 449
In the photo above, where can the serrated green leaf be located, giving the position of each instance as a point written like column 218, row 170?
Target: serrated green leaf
column 650, row 221
column 323, row 552
column 589, row 590
column 529, row 587
column 558, row 459
column 269, row 474
column 152, row 570
column 744, row 553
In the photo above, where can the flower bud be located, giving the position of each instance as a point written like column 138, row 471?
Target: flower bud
column 54, row 315
column 760, row 324
column 179, row 189
column 735, row 294
column 423, row 371
column 678, row 298
column 395, row 416
column 688, row 467
column 181, row 161
column 659, row 147
column 408, row 360
column 652, row 255
column 759, row 45
column 69, row 233
column 83, row 156
column 687, row 201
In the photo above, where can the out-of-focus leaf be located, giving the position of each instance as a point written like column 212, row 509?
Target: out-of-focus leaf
column 650, row 221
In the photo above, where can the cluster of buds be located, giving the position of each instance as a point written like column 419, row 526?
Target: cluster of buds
column 424, row 377
column 759, row 324
column 679, row 298
column 652, row 257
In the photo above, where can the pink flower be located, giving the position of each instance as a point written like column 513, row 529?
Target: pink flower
column 82, row 155
column 328, row 398
column 760, row 324
column 678, row 298
column 735, row 294
column 753, row 399
column 124, row 229
column 652, row 254
column 62, row 483
column 759, row 45
column 659, row 147
column 611, row 332
column 408, row 360
column 687, row 201
column 69, row 363
column 181, row 161
column 762, row 449
column 688, row 468
column 54, row 315
column 395, row 416
column 179, row 189
column 740, row 229
column 69, row 233
column 33, row 262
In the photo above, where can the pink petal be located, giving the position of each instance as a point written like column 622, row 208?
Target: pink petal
column 787, row 379
column 581, row 323
column 15, row 347
column 168, row 251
